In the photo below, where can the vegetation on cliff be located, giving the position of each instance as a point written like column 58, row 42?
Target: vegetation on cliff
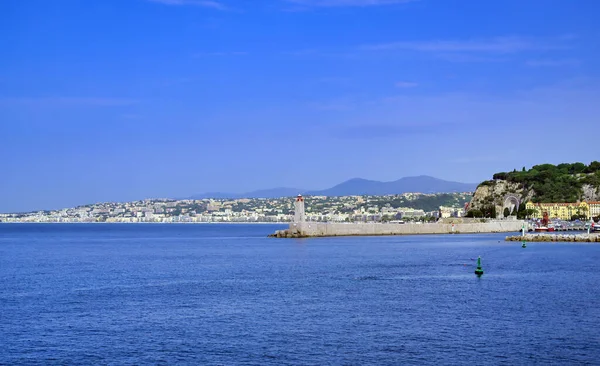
column 554, row 183
column 488, row 211
column 542, row 183
column 425, row 202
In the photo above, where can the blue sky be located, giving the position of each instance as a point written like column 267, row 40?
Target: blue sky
column 118, row 100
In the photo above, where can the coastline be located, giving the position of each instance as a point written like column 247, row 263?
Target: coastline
column 152, row 223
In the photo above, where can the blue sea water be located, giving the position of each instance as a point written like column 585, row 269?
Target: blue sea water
column 129, row 294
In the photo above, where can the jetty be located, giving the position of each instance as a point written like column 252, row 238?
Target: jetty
column 579, row 238
column 303, row 229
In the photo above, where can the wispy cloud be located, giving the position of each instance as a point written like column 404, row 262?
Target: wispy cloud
column 455, row 113
column 470, row 57
column 227, row 53
column 340, row 3
column 175, row 81
column 303, row 52
column 336, row 105
column 69, row 101
column 334, row 80
column 406, row 84
column 204, row 3
column 385, row 131
column 501, row 45
column 553, row 62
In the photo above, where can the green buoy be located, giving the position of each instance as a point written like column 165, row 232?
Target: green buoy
column 478, row 270
column 524, row 245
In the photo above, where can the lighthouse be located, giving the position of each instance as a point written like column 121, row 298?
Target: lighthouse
column 299, row 209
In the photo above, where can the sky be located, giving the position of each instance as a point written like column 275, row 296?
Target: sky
column 120, row 100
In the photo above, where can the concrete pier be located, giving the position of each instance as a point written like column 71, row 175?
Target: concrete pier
column 300, row 228
column 314, row 229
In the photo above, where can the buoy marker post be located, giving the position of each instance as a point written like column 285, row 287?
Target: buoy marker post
column 478, row 270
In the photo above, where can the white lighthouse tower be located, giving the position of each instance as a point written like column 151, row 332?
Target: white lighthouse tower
column 299, row 209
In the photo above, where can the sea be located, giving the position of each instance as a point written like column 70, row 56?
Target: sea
column 225, row 294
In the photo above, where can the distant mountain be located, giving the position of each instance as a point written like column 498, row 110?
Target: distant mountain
column 422, row 184
column 358, row 186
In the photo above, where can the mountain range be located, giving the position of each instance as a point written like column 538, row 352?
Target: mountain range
column 357, row 186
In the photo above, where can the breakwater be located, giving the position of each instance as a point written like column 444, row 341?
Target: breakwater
column 580, row 238
column 314, row 229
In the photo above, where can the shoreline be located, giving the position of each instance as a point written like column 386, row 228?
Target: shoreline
column 150, row 223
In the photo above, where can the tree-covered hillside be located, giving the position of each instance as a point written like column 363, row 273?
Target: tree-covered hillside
column 425, row 202
column 554, row 183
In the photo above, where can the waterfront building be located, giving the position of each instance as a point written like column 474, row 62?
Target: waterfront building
column 411, row 213
column 562, row 210
column 445, row 212
column 594, row 208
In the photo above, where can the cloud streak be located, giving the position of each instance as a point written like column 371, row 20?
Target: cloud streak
column 203, row 3
column 69, row 102
column 209, row 54
column 406, row 84
column 553, row 63
column 343, row 3
column 386, row 131
column 499, row 45
column 461, row 115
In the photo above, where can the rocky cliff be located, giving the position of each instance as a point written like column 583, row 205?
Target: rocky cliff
column 590, row 193
column 502, row 194
column 508, row 192
column 499, row 194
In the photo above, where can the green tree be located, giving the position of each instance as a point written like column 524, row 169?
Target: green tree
column 506, row 212
column 489, row 211
column 474, row 213
column 593, row 167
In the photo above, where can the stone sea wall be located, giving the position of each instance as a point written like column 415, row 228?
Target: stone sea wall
column 313, row 229
column 580, row 238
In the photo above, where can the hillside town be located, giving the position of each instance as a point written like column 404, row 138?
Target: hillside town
column 406, row 207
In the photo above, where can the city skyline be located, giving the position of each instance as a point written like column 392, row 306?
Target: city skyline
column 133, row 99
column 319, row 208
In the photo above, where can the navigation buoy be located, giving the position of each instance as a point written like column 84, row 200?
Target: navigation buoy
column 524, row 245
column 478, row 270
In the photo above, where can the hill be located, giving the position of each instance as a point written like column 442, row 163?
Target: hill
column 421, row 184
column 358, row 187
column 568, row 182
